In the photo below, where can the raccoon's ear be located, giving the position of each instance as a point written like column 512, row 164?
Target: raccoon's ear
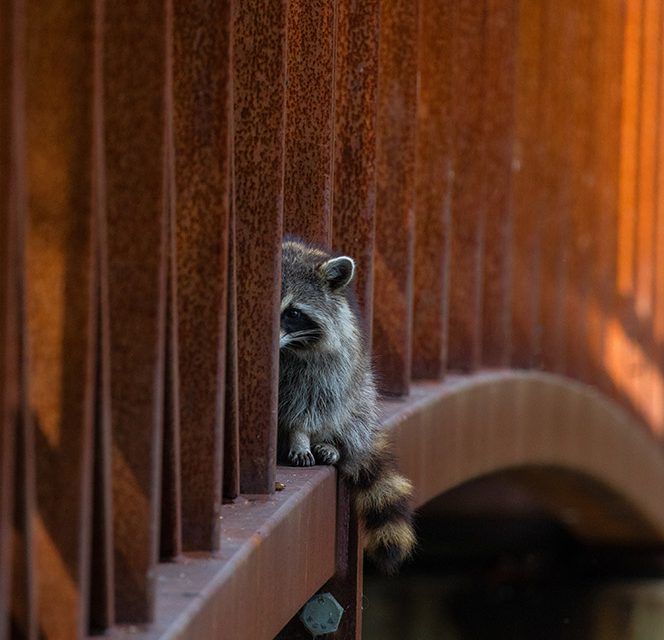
column 338, row 272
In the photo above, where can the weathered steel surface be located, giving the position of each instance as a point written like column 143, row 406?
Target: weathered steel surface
column 202, row 162
column 231, row 477
column 500, row 67
column 490, row 422
column 170, row 526
column 468, row 196
column 276, row 551
column 356, row 85
column 259, row 65
column 433, row 181
column 60, row 303
column 101, row 605
column 308, row 174
column 527, row 190
column 8, row 303
column 395, row 194
column 134, row 75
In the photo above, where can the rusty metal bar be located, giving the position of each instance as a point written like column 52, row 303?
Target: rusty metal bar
column 170, row 528
column 60, row 303
column 259, row 65
column 308, row 176
column 501, row 40
column 134, row 75
column 395, row 194
column 608, row 56
column 527, row 188
column 468, row 197
column 231, row 477
column 558, row 193
column 8, row 302
column 356, row 86
column 433, row 182
column 202, row 156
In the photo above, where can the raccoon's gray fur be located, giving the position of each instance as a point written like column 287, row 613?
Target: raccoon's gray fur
column 327, row 397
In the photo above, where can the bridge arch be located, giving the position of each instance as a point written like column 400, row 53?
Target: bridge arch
column 594, row 465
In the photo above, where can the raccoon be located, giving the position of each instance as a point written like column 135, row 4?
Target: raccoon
column 327, row 397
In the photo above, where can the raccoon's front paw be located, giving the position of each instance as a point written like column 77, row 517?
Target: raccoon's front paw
column 325, row 453
column 301, row 458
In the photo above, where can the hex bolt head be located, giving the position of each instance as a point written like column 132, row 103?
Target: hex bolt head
column 322, row 614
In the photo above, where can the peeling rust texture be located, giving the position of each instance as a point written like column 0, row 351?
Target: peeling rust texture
column 395, row 194
column 309, row 120
column 205, row 597
column 202, row 161
column 356, row 80
column 60, row 304
column 134, row 74
column 469, row 186
column 259, row 58
column 433, row 183
column 500, row 38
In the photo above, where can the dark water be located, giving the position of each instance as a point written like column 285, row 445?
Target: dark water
column 517, row 580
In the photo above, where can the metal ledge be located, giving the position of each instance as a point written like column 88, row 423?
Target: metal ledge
column 278, row 550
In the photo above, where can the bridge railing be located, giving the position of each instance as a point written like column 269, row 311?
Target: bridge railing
column 495, row 168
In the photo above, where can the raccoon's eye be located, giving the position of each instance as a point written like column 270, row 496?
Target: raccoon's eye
column 292, row 314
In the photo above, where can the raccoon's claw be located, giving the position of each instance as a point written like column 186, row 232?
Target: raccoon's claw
column 301, row 458
column 325, row 453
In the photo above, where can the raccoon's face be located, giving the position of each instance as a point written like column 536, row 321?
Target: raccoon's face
column 314, row 307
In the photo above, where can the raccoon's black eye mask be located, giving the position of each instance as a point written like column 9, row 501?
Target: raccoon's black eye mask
column 299, row 330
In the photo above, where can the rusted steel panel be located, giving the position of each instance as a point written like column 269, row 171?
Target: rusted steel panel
column 134, row 74
column 309, row 119
column 501, row 40
column 631, row 84
column 395, row 194
column 8, row 302
column 170, row 531
column 102, row 602
column 527, row 189
column 60, row 303
column 356, row 86
column 231, row 478
column 560, row 147
column 468, row 195
column 259, row 59
column 433, row 183
column 260, row 578
column 608, row 53
column 202, row 162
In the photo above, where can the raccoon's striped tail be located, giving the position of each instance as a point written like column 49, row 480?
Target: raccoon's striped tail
column 382, row 500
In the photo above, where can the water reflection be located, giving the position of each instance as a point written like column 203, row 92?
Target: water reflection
column 518, row 574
